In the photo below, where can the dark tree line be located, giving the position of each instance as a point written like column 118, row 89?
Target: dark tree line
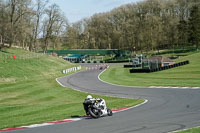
column 143, row 26
column 148, row 25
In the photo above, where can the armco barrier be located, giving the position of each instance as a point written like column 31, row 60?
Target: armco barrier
column 160, row 68
column 71, row 69
column 140, row 70
column 113, row 61
column 128, row 66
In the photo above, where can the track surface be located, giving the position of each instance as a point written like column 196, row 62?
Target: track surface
column 167, row 109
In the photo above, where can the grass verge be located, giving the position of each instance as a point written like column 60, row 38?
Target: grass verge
column 188, row 75
column 193, row 130
column 29, row 93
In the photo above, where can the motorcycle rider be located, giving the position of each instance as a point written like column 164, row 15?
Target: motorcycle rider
column 89, row 99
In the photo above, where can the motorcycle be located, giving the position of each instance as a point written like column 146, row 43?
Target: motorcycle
column 96, row 108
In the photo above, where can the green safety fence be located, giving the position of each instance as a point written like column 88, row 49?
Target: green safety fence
column 89, row 52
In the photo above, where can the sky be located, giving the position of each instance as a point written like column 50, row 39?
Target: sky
column 76, row 10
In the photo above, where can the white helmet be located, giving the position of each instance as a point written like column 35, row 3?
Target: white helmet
column 89, row 97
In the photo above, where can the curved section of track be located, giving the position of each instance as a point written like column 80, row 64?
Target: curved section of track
column 167, row 109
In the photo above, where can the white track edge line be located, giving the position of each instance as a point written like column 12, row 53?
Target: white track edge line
column 167, row 87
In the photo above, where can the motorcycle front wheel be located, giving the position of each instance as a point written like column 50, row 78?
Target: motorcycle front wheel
column 94, row 113
column 110, row 113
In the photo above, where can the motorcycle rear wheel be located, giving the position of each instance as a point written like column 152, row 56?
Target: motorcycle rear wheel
column 94, row 113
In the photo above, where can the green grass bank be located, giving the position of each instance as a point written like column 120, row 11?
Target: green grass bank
column 188, row 75
column 29, row 93
column 192, row 130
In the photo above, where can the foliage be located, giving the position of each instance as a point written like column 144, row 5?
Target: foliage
column 30, row 24
column 194, row 25
column 143, row 26
column 147, row 25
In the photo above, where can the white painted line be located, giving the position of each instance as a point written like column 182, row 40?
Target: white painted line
column 59, row 83
column 171, row 87
column 112, row 83
column 133, row 106
column 75, row 119
column 38, row 125
column 164, row 87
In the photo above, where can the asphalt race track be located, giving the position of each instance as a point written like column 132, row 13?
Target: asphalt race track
column 167, row 109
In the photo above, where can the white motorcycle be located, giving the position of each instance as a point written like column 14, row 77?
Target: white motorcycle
column 97, row 108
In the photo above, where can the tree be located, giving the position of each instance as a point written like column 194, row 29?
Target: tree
column 39, row 12
column 3, row 23
column 58, row 31
column 183, row 32
column 52, row 17
column 21, row 24
column 194, row 26
column 17, row 10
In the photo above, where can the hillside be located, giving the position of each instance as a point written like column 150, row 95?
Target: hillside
column 27, row 64
column 29, row 93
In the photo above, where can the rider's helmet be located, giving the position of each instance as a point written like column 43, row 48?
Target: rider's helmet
column 89, row 97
